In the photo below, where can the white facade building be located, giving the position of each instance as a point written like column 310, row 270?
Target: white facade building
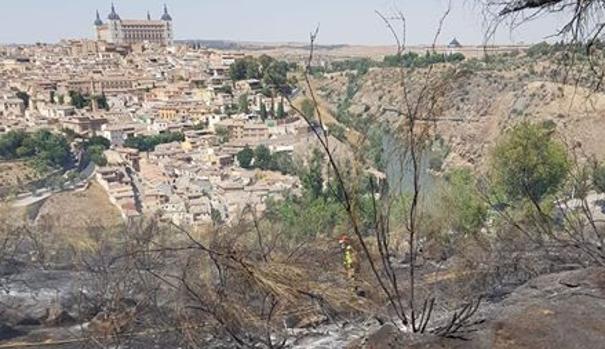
column 128, row 31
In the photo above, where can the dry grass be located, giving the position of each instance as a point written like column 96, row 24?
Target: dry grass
column 16, row 173
column 73, row 214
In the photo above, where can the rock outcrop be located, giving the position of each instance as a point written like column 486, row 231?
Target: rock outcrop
column 565, row 310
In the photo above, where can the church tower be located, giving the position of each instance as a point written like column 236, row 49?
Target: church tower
column 167, row 18
column 115, row 26
column 98, row 26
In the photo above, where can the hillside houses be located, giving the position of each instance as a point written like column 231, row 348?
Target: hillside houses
column 89, row 88
column 119, row 188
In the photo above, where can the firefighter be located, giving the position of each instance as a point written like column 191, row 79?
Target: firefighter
column 349, row 256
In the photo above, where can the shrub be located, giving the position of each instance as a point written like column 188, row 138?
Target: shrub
column 245, row 156
column 598, row 178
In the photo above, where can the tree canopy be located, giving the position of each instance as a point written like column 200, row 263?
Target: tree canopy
column 280, row 113
column 467, row 210
column 81, row 101
column 243, row 104
column 263, row 112
column 262, row 157
column 245, row 68
column 44, row 148
column 148, row 143
column 415, row 60
column 529, row 163
column 245, row 157
column 93, row 149
column 312, row 179
column 272, row 73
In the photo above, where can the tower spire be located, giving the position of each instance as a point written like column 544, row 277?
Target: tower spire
column 148, row 15
column 98, row 21
column 166, row 16
column 113, row 15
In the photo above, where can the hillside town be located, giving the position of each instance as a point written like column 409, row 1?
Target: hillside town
column 132, row 83
column 224, row 174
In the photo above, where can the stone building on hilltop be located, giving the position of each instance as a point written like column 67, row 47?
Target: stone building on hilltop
column 127, row 31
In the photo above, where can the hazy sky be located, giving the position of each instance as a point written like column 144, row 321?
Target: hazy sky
column 342, row 21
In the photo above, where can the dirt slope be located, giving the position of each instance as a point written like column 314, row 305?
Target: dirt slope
column 486, row 101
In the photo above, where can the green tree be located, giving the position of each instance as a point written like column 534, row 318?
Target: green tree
column 102, row 101
column 412, row 59
column 245, row 156
column 93, row 151
column 276, row 77
column 43, row 148
column 237, row 70
column 312, row 178
column 95, row 154
column 361, row 65
column 280, row 114
column 216, row 216
column 242, row 103
column 252, row 68
column 98, row 141
column 540, row 49
column 262, row 157
column 245, row 68
column 305, row 217
column 25, row 151
column 375, row 145
column 263, row 112
column 265, row 61
column 10, row 142
column 51, row 150
column 78, row 100
column 528, row 163
column 461, row 199
column 148, row 143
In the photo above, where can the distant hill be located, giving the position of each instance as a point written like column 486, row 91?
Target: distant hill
column 251, row 45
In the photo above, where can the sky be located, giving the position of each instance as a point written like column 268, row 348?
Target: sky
column 341, row 21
